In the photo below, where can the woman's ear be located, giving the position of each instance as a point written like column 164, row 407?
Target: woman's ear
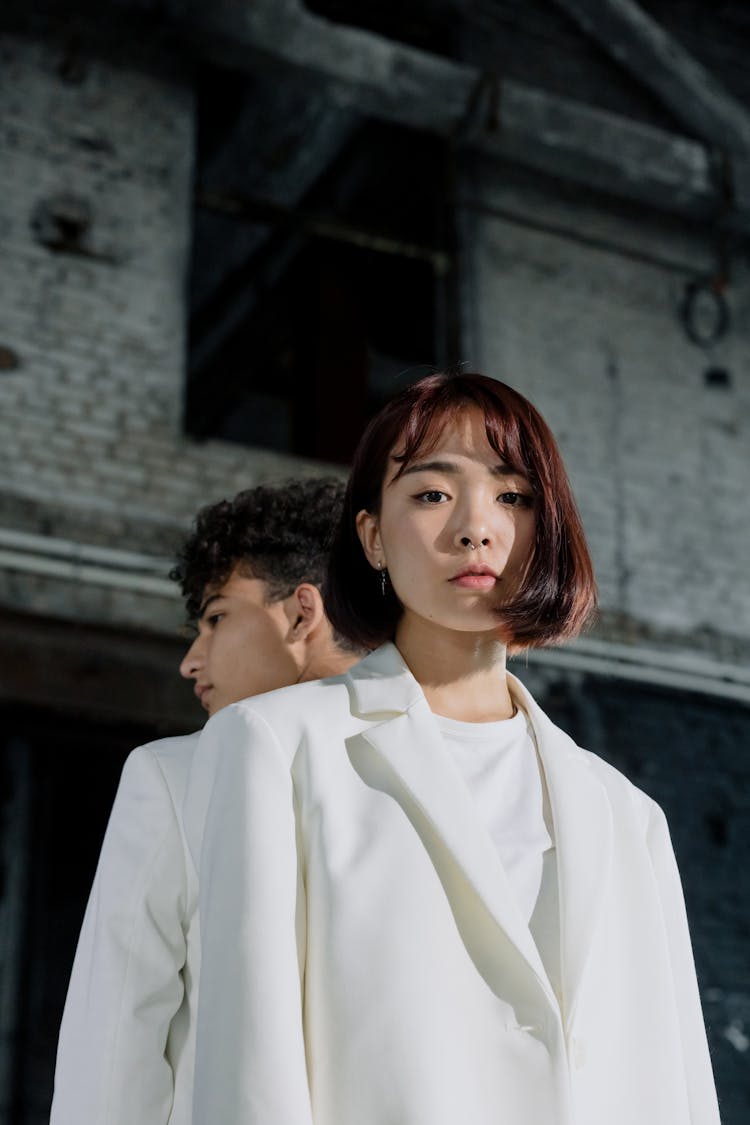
column 305, row 610
column 369, row 536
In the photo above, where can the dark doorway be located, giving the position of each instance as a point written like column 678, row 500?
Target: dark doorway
column 58, row 778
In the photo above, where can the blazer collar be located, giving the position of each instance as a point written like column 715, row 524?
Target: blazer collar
column 382, row 684
column 418, row 771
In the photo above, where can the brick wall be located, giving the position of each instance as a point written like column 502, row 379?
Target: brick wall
column 91, row 447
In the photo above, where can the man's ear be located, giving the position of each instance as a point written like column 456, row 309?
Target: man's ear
column 305, row 610
column 368, row 531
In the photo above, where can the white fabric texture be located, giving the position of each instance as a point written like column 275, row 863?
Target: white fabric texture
column 364, row 960
column 498, row 762
column 125, row 1053
column 501, row 768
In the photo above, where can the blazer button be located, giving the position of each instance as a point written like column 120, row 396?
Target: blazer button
column 578, row 1051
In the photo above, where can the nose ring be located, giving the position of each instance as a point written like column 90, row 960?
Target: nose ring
column 468, row 543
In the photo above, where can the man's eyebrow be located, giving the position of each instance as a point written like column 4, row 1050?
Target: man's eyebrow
column 499, row 470
column 209, row 601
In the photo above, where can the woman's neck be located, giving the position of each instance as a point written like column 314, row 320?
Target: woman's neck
column 463, row 675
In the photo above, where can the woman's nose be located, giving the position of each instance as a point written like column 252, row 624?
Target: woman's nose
column 467, row 541
column 472, row 529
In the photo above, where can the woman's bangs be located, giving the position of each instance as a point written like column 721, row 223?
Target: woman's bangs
column 422, row 433
column 424, row 428
column 503, row 435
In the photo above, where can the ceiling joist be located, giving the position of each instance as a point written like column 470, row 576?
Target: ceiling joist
column 401, row 84
column 664, row 66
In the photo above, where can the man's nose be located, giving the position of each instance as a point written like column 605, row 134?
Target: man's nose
column 192, row 661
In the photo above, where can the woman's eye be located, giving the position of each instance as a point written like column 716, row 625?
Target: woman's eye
column 433, row 496
column 515, row 499
column 214, row 619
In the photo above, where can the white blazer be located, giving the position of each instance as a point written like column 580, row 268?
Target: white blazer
column 363, row 960
column 125, row 1054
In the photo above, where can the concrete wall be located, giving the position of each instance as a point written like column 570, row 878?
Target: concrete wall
column 578, row 306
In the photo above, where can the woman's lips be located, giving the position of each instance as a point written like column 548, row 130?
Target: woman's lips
column 474, row 581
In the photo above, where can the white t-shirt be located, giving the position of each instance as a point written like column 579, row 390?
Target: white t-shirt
column 500, row 765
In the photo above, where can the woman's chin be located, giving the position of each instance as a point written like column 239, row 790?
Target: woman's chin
column 480, row 622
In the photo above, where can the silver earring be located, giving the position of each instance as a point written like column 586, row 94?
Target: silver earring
column 382, row 571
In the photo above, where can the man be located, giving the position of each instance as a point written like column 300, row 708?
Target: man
column 250, row 574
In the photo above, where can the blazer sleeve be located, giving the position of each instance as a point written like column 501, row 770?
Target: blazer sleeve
column 250, row 1066
column 126, row 983
column 698, row 1073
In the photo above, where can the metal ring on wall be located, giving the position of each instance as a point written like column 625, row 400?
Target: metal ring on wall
column 704, row 312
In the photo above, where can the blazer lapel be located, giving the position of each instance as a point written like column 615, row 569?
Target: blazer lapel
column 582, row 820
column 405, row 756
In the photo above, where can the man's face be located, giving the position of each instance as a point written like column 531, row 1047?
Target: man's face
column 244, row 644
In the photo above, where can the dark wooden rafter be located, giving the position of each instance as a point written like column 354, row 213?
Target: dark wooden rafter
column 657, row 60
column 394, row 82
column 690, row 91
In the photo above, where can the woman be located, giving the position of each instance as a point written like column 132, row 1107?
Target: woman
column 421, row 903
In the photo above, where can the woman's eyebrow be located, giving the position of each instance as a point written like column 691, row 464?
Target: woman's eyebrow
column 499, row 470
column 431, row 466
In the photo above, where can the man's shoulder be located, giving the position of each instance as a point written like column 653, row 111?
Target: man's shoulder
column 164, row 762
column 175, row 748
column 288, row 714
column 297, row 700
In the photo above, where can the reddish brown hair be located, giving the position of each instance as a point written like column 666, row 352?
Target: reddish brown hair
column 558, row 592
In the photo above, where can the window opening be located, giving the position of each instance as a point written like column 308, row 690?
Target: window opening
column 314, row 300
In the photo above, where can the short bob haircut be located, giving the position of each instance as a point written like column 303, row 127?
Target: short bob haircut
column 558, row 593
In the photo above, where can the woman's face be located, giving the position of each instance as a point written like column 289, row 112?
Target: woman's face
column 455, row 531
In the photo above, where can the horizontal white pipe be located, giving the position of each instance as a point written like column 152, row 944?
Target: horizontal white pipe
column 138, row 573
column 84, row 573
column 686, row 660
column 86, row 563
column 47, row 545
column 659, row 669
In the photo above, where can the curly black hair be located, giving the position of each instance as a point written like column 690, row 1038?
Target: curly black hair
column 279, row 533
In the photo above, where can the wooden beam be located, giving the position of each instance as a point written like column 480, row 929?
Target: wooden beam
column 357, row 69
column 656, row 59
column 615, row 154
column 402, row 84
